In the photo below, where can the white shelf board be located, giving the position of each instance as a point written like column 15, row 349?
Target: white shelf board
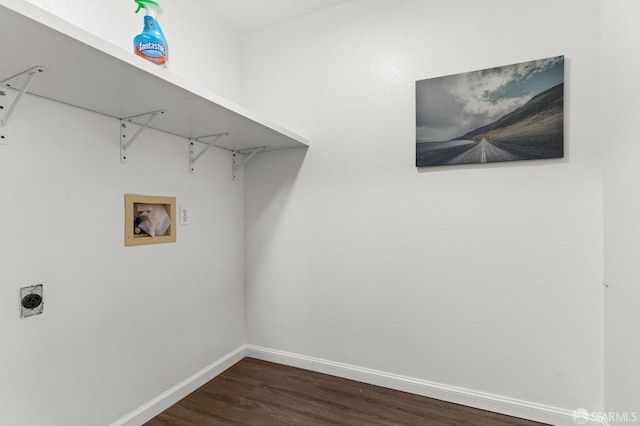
column 88, row 72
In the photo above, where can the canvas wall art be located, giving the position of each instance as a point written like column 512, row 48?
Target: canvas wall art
column 513, row 112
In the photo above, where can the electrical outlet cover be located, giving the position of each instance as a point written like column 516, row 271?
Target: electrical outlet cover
column 27, row 291
column 184, row 215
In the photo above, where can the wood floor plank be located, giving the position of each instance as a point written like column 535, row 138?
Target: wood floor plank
column 256, row 393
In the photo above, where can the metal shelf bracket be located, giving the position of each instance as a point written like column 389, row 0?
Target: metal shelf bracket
column 240, row 159
column 193, row 157
column 125, row 140
column 23, row 79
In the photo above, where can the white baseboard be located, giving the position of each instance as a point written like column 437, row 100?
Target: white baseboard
column 482, row 400
column 485, row 401
column 179, row 391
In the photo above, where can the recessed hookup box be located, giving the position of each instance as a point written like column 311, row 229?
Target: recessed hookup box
column 149, row 220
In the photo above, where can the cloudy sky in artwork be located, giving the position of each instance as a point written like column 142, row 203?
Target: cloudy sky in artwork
column 448, row 107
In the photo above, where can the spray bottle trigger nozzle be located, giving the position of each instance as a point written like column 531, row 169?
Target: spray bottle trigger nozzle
column 142, row 4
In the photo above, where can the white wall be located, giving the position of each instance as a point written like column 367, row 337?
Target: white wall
column 487, row 278
column 621, row 94
column 120, row 325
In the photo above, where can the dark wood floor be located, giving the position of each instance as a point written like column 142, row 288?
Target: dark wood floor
column 255, row 392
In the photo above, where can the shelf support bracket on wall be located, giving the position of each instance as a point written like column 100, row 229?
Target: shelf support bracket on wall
column 125, row 140
column 239, row 162
column 193, row 157
column 7, row 109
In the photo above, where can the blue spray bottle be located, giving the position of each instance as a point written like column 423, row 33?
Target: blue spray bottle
column 151, row 43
